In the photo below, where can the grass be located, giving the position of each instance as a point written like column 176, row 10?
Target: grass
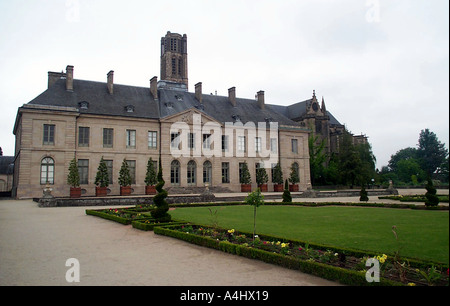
column 421, row 234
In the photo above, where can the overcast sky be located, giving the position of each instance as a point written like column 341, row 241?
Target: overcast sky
column 382, row 66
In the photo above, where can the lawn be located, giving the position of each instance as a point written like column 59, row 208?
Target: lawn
column 421, row 234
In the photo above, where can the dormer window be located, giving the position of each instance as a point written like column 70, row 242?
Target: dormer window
column 236, row 118
column 179, row 98
column 200, row 107
column 168, row 104
column 83, row 105
column 129, row 109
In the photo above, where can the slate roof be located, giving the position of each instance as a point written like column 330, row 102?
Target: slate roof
column 99, row 99
column 296, row 110
column 6, row 165
column 169, row 102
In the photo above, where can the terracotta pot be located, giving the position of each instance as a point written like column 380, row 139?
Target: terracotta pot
column 101, row 191
column 263, row 187
column 150, row 190
column 125, row 190
column 246, row 187
column 75, row 192
column 293, row 188
column 278, row 187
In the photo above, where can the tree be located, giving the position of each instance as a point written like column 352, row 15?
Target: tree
column 317, row 157
column 261, row 176
column 294, row 176
column 349, row 161
column 431, row 197
column 102, row 178
column 151, row 176
column 431, row 152
column 403, row 154
column 255, row 199
column 73, row 179
column 368, row 161
column 162, row 207
column 287, row 198
column 277, row 174
column 245, row 177
column 124, row 174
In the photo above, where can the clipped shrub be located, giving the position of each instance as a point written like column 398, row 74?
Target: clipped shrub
column 159, row 200
column 287, row 198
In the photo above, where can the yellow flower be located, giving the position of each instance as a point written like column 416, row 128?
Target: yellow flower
column 411, row 284
column 231, row 231
column 284, row 245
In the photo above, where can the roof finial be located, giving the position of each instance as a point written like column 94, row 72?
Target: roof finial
column 314, row 93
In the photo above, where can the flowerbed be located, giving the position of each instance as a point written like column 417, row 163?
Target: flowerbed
column 121, row 215
column 149, row 224
column 342, row 265
column 415, row 198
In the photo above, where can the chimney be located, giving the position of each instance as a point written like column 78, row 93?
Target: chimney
column 110, row 82
column 261, row 99
column 69, row 78
column 232, row 96
column 53, row 77
column 154, row 87
column 198, row 91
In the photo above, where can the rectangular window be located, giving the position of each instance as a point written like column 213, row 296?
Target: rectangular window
column 257, row 144
column 83, row 171
column 207, row 141
column 191, row 140
column 241, row 144
column 83, row 136
column 294, row 143
column 152, row 139
column 175, row 140
column 132, row 168
column 131, row 139
column 108, row 138
column 109, row 166
column 224, row 143
column 174, row 66
column 49, row 134
column 241, row 166
column 273, row 145
column 225, row 172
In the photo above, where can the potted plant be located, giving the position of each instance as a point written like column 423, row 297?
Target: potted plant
column 150, row 178
column 73, row 179
column 101, row 179
column 245, row 179
column 294, row 179
column 277, row 178
column 262, row 178
column 125, row 179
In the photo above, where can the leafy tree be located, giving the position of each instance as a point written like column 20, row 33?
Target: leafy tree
column 124, row 174
column 431, row 152
column 294, row 176
column 102, row 178
column 261, row 176
column 403, row 154
column 162, row 207
column 255, row 199
column 368, row 160
column 349, row 160
column 407, row 168
column 317, row 157
column 73, row 179
column 245, row 177
column 277, row 174
column 151, row 176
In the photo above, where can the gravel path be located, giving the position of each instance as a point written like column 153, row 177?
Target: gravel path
column 36, row 242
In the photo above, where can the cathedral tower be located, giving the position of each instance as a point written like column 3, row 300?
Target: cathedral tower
column 174, row 66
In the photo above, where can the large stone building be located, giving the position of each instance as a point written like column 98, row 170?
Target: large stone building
column 200, row 138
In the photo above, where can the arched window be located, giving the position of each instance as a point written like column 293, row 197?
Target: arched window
column 175, row 172
column 47, row 171
column 207, row 172
column 191, row 172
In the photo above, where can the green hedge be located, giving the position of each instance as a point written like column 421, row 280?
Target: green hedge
column 101, row 214
column 332, row 273
column 142, row 225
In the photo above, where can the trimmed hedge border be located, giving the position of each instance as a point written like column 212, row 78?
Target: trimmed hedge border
column 121, row 220
column 141, row 225
column 328, row 272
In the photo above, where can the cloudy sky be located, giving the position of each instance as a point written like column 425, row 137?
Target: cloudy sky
column 382, row 66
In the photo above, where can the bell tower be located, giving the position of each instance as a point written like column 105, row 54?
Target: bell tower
column 174, row 66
